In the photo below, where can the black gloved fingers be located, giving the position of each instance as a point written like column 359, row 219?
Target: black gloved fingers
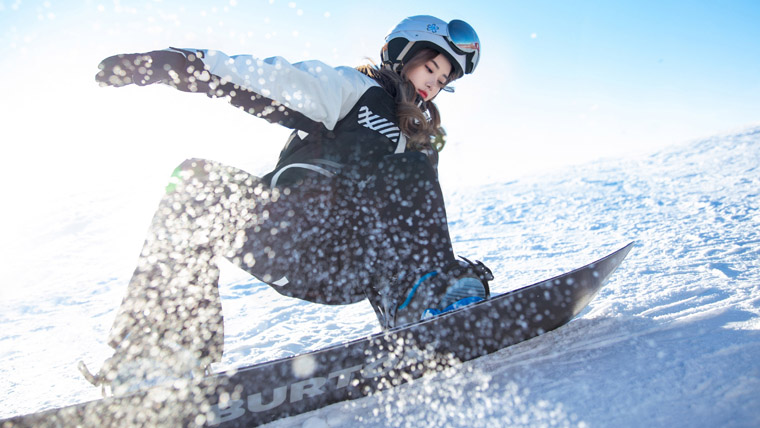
column 142, row 69
column 118, row 70
column 162, row 67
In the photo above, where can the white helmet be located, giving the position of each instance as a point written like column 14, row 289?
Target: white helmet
column 457, row 40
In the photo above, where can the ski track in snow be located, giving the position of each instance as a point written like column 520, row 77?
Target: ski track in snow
column 672, row 340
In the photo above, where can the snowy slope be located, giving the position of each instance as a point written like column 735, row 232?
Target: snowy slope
column 672, row 340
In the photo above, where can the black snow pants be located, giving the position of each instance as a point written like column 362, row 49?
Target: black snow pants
column 330, row 240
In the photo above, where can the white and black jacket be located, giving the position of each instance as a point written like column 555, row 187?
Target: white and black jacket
column 343, row 120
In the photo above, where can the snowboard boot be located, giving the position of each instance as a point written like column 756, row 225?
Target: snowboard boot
column 458, row 284
column 136, row 367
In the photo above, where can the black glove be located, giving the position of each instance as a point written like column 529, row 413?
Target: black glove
column 143, row 69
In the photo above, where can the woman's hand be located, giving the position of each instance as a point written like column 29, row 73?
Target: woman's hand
column 143, row 69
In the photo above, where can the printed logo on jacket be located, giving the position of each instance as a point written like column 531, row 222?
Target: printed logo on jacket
column 379, row 124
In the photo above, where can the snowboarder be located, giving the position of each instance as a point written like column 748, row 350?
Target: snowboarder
column 352, row 210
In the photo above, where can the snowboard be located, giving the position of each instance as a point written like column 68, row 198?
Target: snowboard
column 268, row 391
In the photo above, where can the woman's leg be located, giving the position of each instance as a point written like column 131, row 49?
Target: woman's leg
column 343, row 240
column 173, row 299
column 306, row 246
column 413, row 214
column 411, row 236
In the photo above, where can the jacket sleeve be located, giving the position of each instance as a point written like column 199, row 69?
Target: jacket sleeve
column 289, row 94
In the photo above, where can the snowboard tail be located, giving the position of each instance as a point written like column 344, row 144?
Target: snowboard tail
column 268, row 391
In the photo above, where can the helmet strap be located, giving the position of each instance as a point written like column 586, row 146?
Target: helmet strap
column 402, row 55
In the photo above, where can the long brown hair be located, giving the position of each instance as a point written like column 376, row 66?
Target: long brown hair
column 422, row 132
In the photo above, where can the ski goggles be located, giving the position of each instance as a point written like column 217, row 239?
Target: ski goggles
column 464, row 40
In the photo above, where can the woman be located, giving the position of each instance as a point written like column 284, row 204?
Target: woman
column 353, row 209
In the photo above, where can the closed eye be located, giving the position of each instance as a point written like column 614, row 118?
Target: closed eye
column 430, row 70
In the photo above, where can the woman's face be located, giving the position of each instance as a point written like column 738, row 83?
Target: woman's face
column 429, row 78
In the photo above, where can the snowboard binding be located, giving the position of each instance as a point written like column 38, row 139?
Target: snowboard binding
column 459, row 283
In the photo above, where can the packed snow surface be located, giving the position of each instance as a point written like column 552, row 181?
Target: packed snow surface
column 672, row 340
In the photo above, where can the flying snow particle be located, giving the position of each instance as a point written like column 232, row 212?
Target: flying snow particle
column 304, row 366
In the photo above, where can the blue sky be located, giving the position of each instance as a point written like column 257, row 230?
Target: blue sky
column 560, row 82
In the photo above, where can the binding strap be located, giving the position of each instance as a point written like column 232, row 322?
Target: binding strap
column 416, row 285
